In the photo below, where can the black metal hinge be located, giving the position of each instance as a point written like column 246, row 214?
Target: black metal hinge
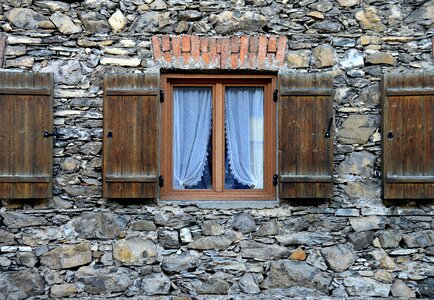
column 275, row 179
column 161, row 181
column 161, row 96
column 329, row 128
column 275, row 95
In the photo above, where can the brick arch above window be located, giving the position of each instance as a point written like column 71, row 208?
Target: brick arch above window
column 192, row 52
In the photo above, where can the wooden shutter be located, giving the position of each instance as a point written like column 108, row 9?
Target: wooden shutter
column 305, row 136
column 408, row 136
column 26, row 113
column 130, row 164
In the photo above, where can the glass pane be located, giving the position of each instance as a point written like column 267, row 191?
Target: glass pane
column 244, row 153
column 192, row 126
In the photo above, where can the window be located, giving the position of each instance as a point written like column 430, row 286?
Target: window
column 218, row 137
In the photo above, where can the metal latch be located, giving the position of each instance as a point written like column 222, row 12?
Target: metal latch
column 275, row 179
column 55, row 133
column 161, row 181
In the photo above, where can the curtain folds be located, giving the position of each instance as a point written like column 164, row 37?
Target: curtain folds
column 244, row 114
column 192, row 123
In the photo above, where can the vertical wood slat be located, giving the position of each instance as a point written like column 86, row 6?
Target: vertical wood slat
column 408, row 103
column 130, row 157
column 305, row 108
column 23, row 120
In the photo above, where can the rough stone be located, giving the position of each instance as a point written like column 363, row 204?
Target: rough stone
column 327, row 26
column 316, row 260
column 117, row 21
column 368, row 19
column 17, row 3
column 64, row 23
column 105, row 225
column 21, row 284
column 21, row 62
column 356, row 285
column 248, row 284
column 324, row 56
column 6, row 238
column 251, row 249
column 348, row 3
column 268, row 229
column 135, row 252
column 358, row 163
column 54, row 5
column 367, row 223
column 298, row 254
column 419, row 239
column 68, row 256
column 211, row 285
column 178, row 263
column 20, row 220
column 156, row 284
column 168, row 238
column 361, row 240
column 174, row 221
column 243, row 222
column 27, row 259
column 304, row 238
column 426, row 288
column 148, row 22
column 212, row 228
column 185, row 235
column 356, row 129
column 94, row 22
column 121, row 61
column 364, row 189
column 352, row 59
column 376, row 58
column 210, row 242
column 297, row 59
column 65, row 72
column 5, row 263
column 63, row 290
column 400, row 289
column 143, row 225
column 41, row 235
column 339, row 257
column 104, row 280
column 26, row 18
column 286, row 273
column 390, row 238
column 228, row 22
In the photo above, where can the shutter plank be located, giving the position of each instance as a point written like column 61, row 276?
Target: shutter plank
column 305, row 154
column 6, row 144
column 428, row 145
column 130, row 113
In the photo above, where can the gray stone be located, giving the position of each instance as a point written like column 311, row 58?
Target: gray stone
column 20, row 220
column 5, row 263
column 92, row 148
column 370, row 95
column 63, row 290
column 20, row 62
column 23, row 40
column 21, row 284
column 94, row 22
column 117, row 21
column 26, row 18
column 339, row 257
column 159, row 5
column 376, row 58
column 419, row 239
column 286, row 273
column 243, row 222
column 64, row 23
column 225, row 264
column 189, row 15
column 54, row 5
column 17, row 3
column 27, row 259
column 304, row 238
column 348, row 3
column 65, row 71
column 322, row 6
column 268, row 229
column 200, row 27
column 383, row 260
column 104, row 280
column 251, row 249
column 426, row 288
column 361, row 240
column 121, row 61
column 143, row 225
column 400, row 289
column 390, row 238
column 68, row 256
column 228, row 22
column 324, row 56
column 156, row 284
column 175, row 221
column 298, row 59
column 364, row 189
column 103, row 225
column 423, row 15
column 367, row 223
column 210, row 243
column 316, row 260
column 148, row 22
column 358, row 163
column 212, row 228
column 327, row 27
column 6, row 238
column 356, row 285
column 248, row 284
column 178, row 263
column 185, row 235
column 168, row 238
column 356, row 129
column 135, row 252
column 352, row 59
column 212, row 285
column 368, row 19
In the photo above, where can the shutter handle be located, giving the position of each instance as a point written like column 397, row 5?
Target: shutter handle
column 327, row 134
column 275, row 179
column 161, row 181
column 390, row 135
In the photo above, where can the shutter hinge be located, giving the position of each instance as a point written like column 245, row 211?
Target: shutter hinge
column 161, row 96
column 161, row 181
column 275, row 179
column 275, row 95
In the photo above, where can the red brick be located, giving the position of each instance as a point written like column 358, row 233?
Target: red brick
column 204, row 45
column 244, row 51
column 281, row 49
column 234, row 61
column 262, row 51
column 167, row 56
column 205, row 58
column 235, row 44
column 186, row 43
column 212, row 49
column 252, row 60
column 156, row 47
column 165, row 42
column 253, row 44
column 225, row 53
column 195, row 47
column 186, row 56
column 272, row 44
column 270, row 58
column 176, row 46
column 217, row 61
column 219, row 45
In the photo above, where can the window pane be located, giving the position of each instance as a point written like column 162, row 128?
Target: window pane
column 244, row 155
column 192, row 126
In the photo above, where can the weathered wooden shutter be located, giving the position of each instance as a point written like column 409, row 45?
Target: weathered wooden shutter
column 408, row 136
column 130, row 155
column 305, row 136
column 26, row 113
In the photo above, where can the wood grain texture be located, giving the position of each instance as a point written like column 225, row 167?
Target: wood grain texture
column 408, row 144
column 26, row 166
column 305, row 154
column 130, row 154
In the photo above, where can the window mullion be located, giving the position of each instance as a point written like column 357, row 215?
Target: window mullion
column 218, row 138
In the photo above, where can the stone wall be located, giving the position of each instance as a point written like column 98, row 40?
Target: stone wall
column 80, row 244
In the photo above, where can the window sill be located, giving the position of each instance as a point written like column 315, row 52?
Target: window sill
column 223, row 204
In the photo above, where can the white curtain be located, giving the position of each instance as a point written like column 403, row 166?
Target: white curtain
column 192, row 128
column 245, row 134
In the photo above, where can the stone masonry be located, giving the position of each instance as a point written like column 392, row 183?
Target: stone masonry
column 78, row 244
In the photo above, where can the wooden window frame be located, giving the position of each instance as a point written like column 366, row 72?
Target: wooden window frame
column 218, row 82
